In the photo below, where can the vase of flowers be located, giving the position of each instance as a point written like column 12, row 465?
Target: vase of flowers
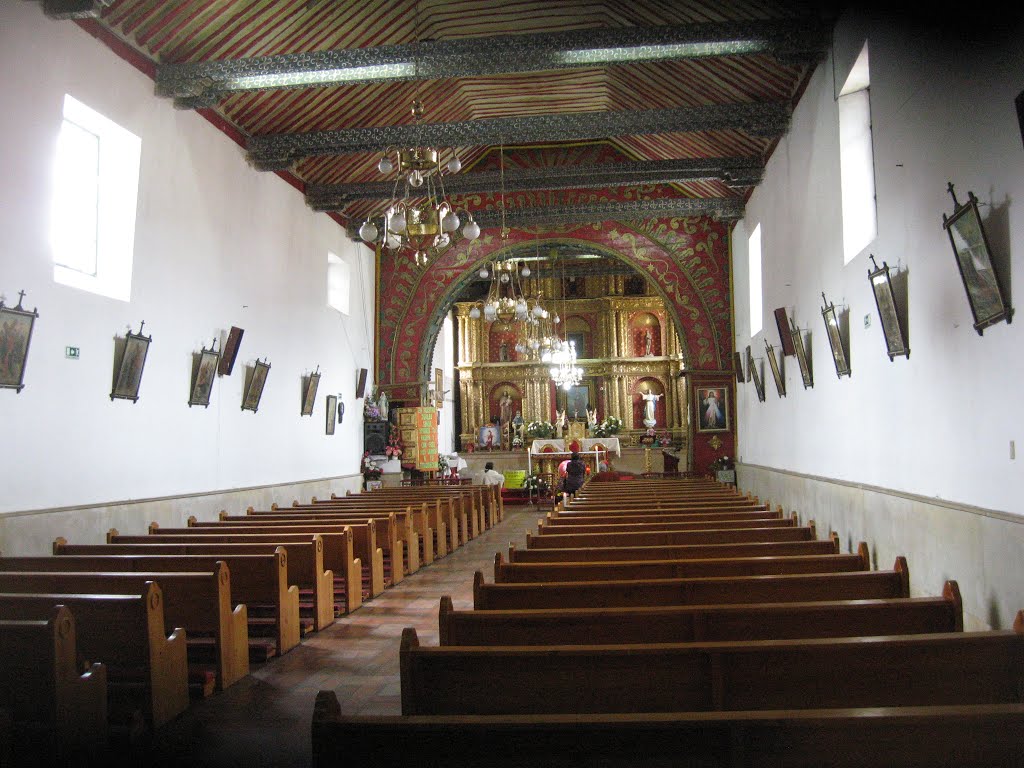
column 540, row 430
column 371, row 470
column 610, row 426
column 395, row 447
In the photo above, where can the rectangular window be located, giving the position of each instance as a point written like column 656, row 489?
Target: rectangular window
column 95, row 189
column 339, row 283
column 754, row 271
column 857, row 162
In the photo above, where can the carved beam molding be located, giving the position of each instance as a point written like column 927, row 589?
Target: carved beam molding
column 203, row 84
column 735, row 172
column 277, row 152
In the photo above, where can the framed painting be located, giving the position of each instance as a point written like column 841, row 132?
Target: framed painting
column 16, row 326
column 835, row 338
column 579, row 340
column 881, row 286
column 438, row 387
column 989, row 303
column 130, row 367
column 782, row 323
column 780, row 381
column 227, row 360
column 802, row 358
column 332, row 413
column 254, row 387
column 575, row 401
column 712, row 404
column 737, row 364
column 309, row 392
column 203, row 376
column 755, row 375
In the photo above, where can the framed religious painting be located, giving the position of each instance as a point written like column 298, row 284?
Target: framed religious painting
column 835, row 338
column 780, row 381
column 309, row 392
column 575, row 401
column 438, row 387
column 130, row 367
column 737, row 364
column 989, row 303
column 885, row 300
column 755, row 375
column 16, row 326
column 332, row 413
column 712, row 405
column 802, row 356
column 254, row 386
column 205, row 371
column 782, row 323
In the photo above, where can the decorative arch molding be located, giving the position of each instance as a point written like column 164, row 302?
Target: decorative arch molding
column 685, row 259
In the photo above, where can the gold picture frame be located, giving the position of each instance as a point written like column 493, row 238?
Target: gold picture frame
column 204, row 375
column 885, row 301
column 835, row 337
column 755, row 375
column 309, row 392
column 802, row 358
column 130, row 367
column 16, row 325
column 254, row 386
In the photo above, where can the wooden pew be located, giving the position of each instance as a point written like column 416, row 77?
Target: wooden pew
column 667, row 517
column 702, row 623
column 789, row 588
column 306, row 567
column 479, row 503
column 663, row 538
column 55, row 712
column 456, row 510
column 698, row 525
column 389, row 535
column 881, row 671
column 413, row 529
column 200, row 602
column 674, row 552
column 339, row 549
column 145, row 667
column 633, row 570
column 258, row 577
column 974, row 736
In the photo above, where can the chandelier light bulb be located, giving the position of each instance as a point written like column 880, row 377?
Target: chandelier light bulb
column 471, row 231
column 416, row 179
column 394, row 242
column 484, row 273
column 454, row 165
column 526, row 271
column 450, row 222
column 557, row 319
column 368, row 232
column 396, row 222
column 504, row 277
column 385, row 165
column 538, row 310
column 474, row 313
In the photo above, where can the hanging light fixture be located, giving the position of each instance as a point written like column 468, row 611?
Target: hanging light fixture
column 562, row 354
column 423, row 218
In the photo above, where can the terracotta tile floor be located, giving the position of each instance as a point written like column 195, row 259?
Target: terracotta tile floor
column 264, row 720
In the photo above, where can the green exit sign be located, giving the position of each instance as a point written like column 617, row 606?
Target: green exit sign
column 72, row 353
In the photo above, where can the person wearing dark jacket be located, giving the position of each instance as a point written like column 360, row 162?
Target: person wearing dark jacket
column 575, row 474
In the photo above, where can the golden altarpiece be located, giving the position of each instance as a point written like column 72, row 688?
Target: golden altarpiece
column 626, row 345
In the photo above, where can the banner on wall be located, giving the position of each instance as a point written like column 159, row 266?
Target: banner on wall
column 426, row 438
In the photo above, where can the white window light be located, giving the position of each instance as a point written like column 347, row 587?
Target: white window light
column 339, row 283
column 95, row 189
column 754, row 272
column 856, row 158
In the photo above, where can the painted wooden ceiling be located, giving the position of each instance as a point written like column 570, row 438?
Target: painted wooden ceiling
column 646, row 101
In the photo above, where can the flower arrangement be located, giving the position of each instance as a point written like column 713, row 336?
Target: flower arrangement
column 610, row 426
column 650, row 437
column 664, row 439
column 442, row 463
column 722, row 464
column 371, row 412
column 540, row 429
column 537, row 484
column 395, row 447
column 371, row 469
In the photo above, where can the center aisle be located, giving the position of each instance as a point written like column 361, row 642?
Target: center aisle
column 263, row 720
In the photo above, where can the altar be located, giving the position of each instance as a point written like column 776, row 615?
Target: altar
column 549, row 453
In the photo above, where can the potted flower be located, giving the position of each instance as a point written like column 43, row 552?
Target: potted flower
column 537, row 485
column 371, row 469
column 609, row 427
column 395, row 447
column 723, row 469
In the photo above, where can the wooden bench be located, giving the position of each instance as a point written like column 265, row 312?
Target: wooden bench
column 413, row 527
column 789, row 588
column 976, row 736
column 668, row 525
column 702, row 623
column 259, row 578
column 447, row 510
column 649, row 538
column 880, row 671
column 674, row 552
column 200, row 602
column 633, row 570
column 146, row 668
column 56, row 713
column 306, row 567
column 481, row 504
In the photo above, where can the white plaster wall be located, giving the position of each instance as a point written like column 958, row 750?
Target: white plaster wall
column 216, row 244
column 937, row 424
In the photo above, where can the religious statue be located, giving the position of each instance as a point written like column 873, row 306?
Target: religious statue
column 560, row 423
column 505, row 404
column 650, row 399
column 592, row 419
column 503, row 351
column 382, row 404
column 648, row 343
